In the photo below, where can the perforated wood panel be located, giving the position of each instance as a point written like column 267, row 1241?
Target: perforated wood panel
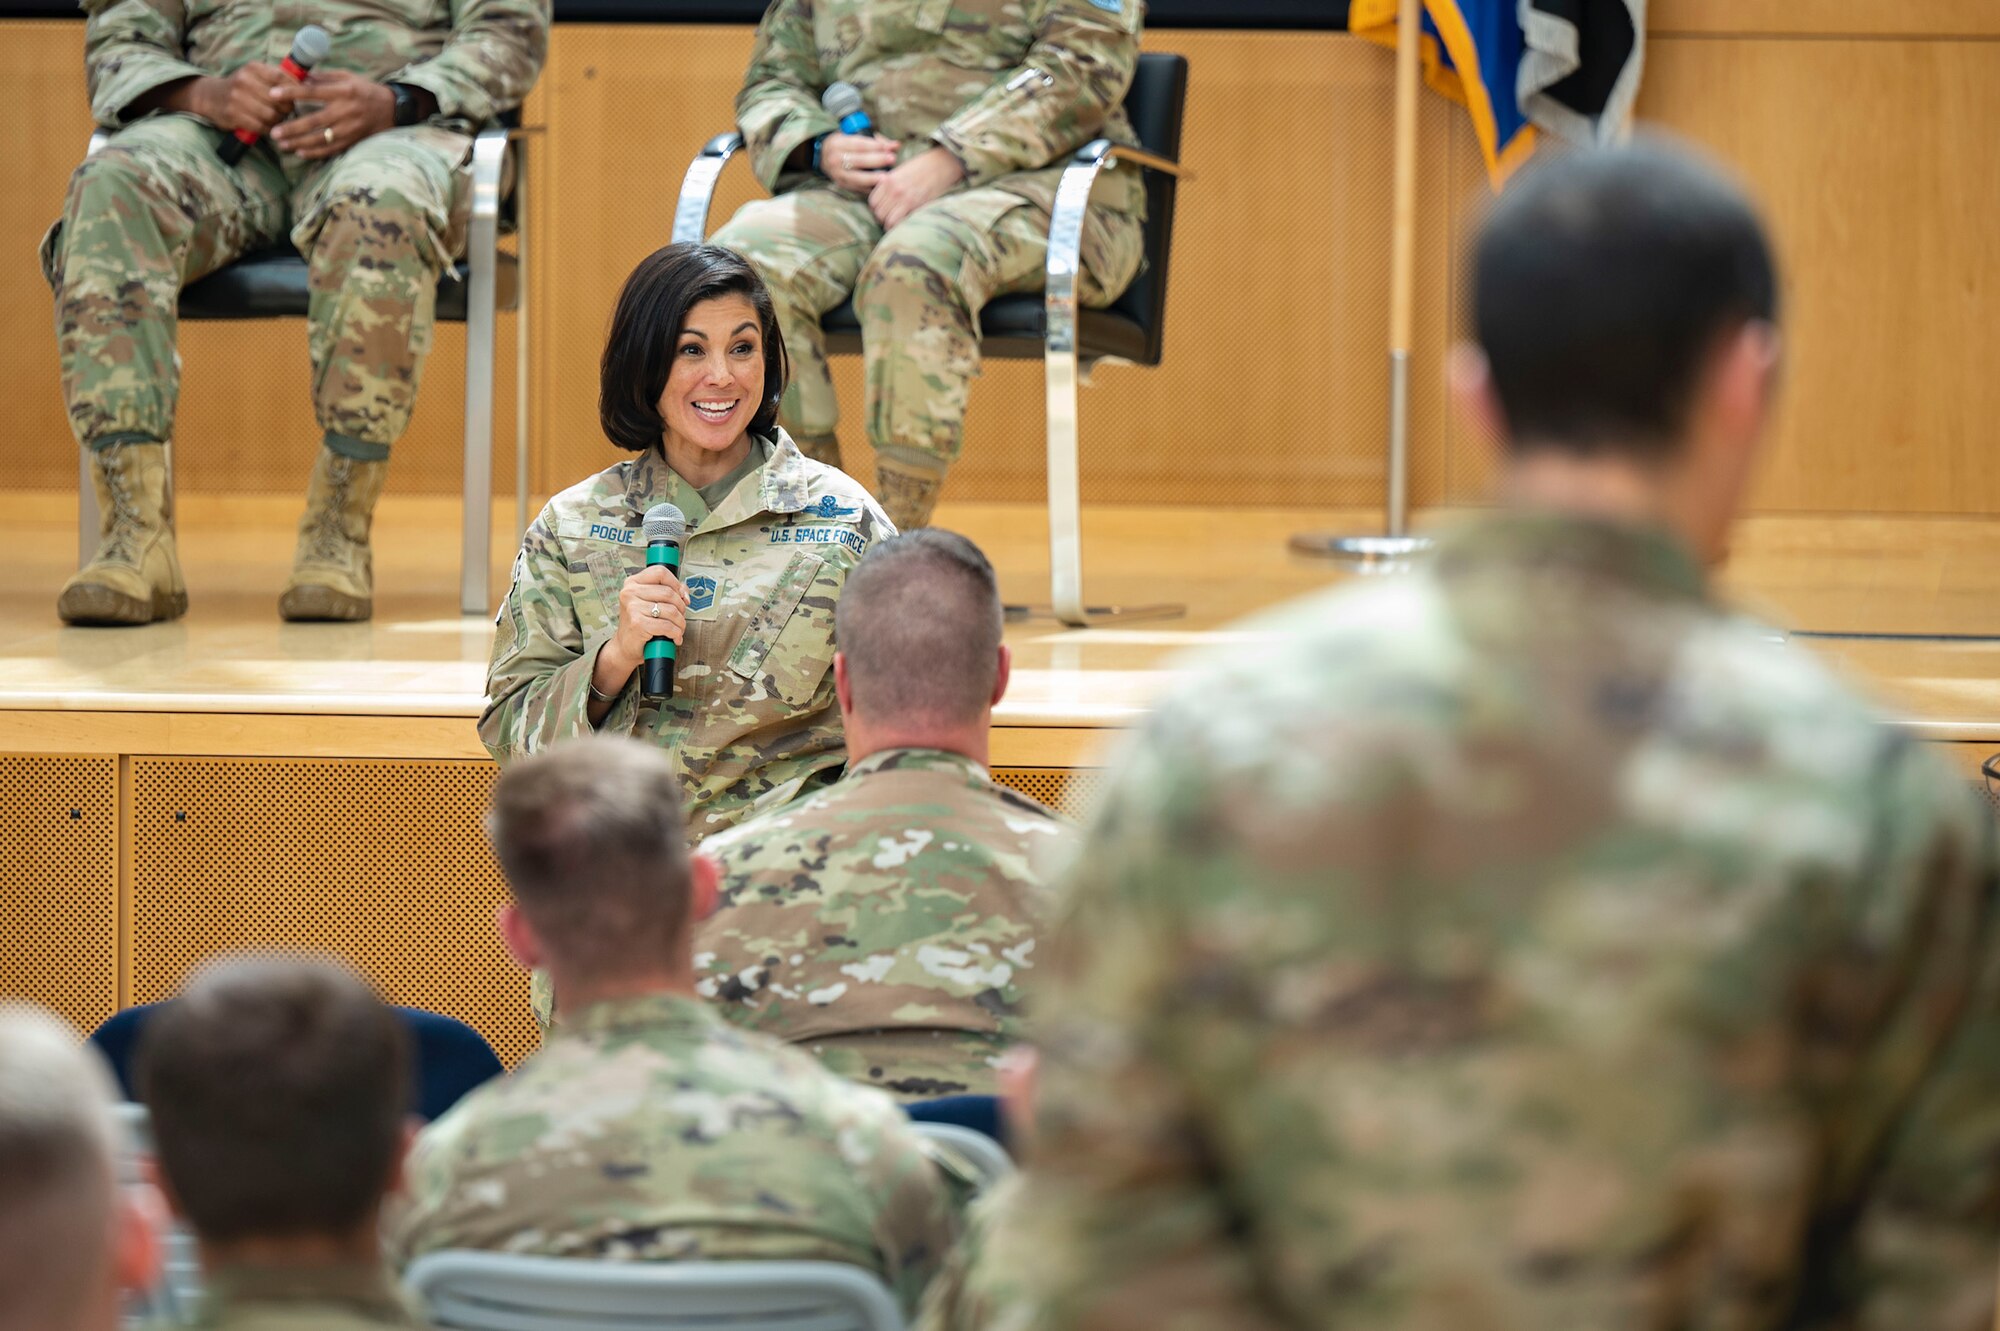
column 59, row 884
column 382, row 863
column 1072, row 792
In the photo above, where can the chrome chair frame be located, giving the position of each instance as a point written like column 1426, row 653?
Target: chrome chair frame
column 1063, row 369
column 490, row 150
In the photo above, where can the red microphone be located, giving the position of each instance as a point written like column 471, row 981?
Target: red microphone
column 309, row 47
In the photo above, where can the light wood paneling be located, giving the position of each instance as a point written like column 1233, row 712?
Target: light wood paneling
column 1874, row 162
column 1861, row 125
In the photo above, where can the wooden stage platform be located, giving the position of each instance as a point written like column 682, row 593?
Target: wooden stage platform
column 228, row 781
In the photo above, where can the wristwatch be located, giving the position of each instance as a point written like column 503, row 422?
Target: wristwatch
column 818, row 143
column 408, row 110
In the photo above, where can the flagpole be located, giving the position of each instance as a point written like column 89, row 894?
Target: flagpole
column 1395, row 544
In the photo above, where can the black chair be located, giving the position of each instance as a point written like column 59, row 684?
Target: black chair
column 448, row 1057
column 1052, row 328
column 272, row 284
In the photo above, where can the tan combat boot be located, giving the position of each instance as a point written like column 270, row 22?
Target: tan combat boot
column 333, row 573
column 820, row 448
column 908, row 494
column 135, row 576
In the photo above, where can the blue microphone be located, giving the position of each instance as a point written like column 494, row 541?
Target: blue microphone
column 843, row 102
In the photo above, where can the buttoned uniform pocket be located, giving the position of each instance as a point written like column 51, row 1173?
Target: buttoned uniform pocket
column 787, row 647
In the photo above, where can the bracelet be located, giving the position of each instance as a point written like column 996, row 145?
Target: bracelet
column 595, row 696
column 818, row 143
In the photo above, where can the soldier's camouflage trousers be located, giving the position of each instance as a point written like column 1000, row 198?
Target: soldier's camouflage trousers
column 155, row 209
column 917, row 290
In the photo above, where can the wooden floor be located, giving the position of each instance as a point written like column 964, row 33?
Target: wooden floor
column 1912, row 603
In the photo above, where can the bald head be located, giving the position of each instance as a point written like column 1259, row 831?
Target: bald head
column 919, row 624
column 58, row 1184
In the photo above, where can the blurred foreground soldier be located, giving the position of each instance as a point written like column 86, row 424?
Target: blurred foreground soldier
column 277, row 1088
column 71, row 1245
column 647, row 1128
column 943, row 204
column 886, row 923
column 1531, row 942
column 369, row 180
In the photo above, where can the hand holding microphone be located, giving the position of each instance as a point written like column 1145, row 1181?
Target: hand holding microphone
column 856, row 156
column 652, row 613
column 250, row 110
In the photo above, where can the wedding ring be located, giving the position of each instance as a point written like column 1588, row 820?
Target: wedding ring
column 847, row 161
column 653, row 609
column 327, row 133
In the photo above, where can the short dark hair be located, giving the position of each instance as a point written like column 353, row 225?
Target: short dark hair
column 919, row 622
column 646, row 326
column 591, row 838
column 278, row 1088
column 1603, row 282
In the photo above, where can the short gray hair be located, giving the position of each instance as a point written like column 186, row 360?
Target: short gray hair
column 592, row 840
column 919, row 622
column 58, row 1180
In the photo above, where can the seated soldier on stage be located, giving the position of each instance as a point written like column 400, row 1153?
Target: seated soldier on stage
column 71, row 1244
column 278, row 1088
column 647, row 1128
column 940, row 206
column 885, row 923
column 370, row 181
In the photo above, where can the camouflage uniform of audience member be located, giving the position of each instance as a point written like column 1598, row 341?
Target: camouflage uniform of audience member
column 978, row 1289
column 886, row 923
column 753, row 714
column 1527, row 943
column 649, row 1129
column 1011, row 87
column 246, row 1298
column 155, row 209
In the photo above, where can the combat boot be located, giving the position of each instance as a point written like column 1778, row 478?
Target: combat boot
column 135, row 576
column 333, row 572
column 908, row 494
column 820, row 448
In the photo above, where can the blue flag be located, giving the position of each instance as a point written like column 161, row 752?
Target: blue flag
column 1472, row 52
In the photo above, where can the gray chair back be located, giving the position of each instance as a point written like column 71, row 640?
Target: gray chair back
column 485, row 1291
column 983, row 1157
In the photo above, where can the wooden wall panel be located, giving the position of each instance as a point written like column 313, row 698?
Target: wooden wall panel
column 1867, row 146
column 1874, row 162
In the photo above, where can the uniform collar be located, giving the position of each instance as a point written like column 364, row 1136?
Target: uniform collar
column 649, row 1012
column 920, row 760
column 1650, row 559
column 363, row 1286
column 784, row 485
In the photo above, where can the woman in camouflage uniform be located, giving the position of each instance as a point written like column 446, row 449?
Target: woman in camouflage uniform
column 692, row 373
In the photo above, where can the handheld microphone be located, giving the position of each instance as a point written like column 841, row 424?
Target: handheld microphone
column 664, row 527
column 843, row 102
column 309, row 47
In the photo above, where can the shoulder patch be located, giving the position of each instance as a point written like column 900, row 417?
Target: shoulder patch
column 1109, row 6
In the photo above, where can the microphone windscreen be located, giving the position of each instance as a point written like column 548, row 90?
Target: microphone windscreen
column 841, row 100
column 310, row 46
column 664, row 522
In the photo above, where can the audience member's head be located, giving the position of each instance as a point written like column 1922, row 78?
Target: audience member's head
column 70, row 1243
column 594, row 848
column 920, row 661
column 278, row 1088
column 1625, row 303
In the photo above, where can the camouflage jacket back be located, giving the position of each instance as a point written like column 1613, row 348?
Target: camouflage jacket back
column 907, row 897
column 753, row 713
column 1524, row 943
column 477, row 57
column 1012, row 87
column 650, row 1130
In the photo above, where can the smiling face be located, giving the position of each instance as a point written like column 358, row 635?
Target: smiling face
column 715, row 387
